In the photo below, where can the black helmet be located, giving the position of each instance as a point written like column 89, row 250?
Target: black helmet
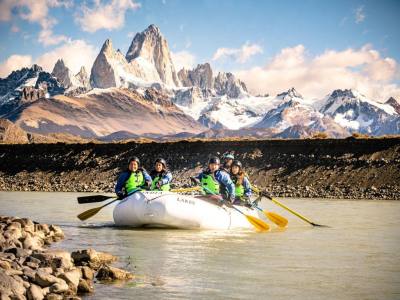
column 134, row 158
column 214, row 160
column 237, row 163
column 161, row 161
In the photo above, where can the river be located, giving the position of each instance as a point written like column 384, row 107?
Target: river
column 358, row 257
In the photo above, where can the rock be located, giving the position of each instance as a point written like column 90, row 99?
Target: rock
column 10, row 286
column 5, row 265
column 108, row 273
column 58, row 233
column 54, row 259
column 72, row 278
column 92, row 257
column 33, row 243
column 35, row 292
column 59, row 287
column 18, row 252
column 87, row 273
column 45, row 279
column 53, row 296
column 29, row 273
column 12, row 234
column 85, row 286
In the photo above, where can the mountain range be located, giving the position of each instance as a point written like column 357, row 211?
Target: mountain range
column 141, row 94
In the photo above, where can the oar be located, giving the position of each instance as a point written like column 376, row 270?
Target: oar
column 91, row 212
column 274, row 217
column 291, row 210
column 101, row 198
column 260, row 225
column 93, row 199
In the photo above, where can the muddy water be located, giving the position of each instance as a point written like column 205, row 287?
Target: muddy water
column 357, row 258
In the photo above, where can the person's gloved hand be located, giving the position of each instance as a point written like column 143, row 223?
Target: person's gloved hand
column 120, row 195
column 148, row 185
column 194, row 181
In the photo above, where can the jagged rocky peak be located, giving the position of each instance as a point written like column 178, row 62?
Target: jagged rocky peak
column 103, row 73
column 228, row 84
column 394, row 103
column 201, row 76
column 188, row 97
column 149, row 48
column 290, row 94
column 70, row 82
column 62, row 73
column 83, row 78
column 347, row 93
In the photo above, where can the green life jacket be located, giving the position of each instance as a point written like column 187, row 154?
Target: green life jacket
column 135, row 181
column 164, row 187
column 239, row 188
column 210, row 183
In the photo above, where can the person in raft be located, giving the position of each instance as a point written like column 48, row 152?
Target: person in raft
column 160, row 176
column 228, row 158
column 215, row 181
column 135, row 178
column 242, row 183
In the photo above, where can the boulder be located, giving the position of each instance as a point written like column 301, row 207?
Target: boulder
column 55, row 259
column 35, row 292
column 109, row 273
column 10, row 285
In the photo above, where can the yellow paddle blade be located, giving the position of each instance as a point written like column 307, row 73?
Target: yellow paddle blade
column 89, row 213
column 277, row 219
column 257, row 223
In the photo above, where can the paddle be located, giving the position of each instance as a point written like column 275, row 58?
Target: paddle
column 93, row 211
column 273, row 217
column 101, row 198
column 93, row 198
column 289, row 210
column 260, row 225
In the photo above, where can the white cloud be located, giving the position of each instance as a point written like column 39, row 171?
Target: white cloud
column 359, row 14
column 105, row 16
column 363, row 69
column 183, row 59
column 75, row 54
column 14, row 62
column 240, row 55
column 35, row 11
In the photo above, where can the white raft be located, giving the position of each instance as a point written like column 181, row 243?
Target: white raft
column 171, row 210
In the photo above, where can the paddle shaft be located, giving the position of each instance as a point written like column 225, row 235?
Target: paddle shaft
column 292, row 211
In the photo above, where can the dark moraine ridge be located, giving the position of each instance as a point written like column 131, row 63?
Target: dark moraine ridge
column 347, row 168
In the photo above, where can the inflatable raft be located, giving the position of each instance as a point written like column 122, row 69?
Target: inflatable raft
column 171, row 210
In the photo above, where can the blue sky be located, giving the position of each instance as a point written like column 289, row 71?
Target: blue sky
column 195, row 30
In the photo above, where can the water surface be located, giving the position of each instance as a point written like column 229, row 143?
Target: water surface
column 357, row 258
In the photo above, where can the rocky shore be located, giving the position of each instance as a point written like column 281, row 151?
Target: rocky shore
column 328, row 168
column 29, row 270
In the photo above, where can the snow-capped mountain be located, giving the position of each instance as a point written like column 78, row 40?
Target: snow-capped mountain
column 394, row 103
column 357, row 113
column 26, row 85
column 143, row 85
column 150, row 53
column 148, row 61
